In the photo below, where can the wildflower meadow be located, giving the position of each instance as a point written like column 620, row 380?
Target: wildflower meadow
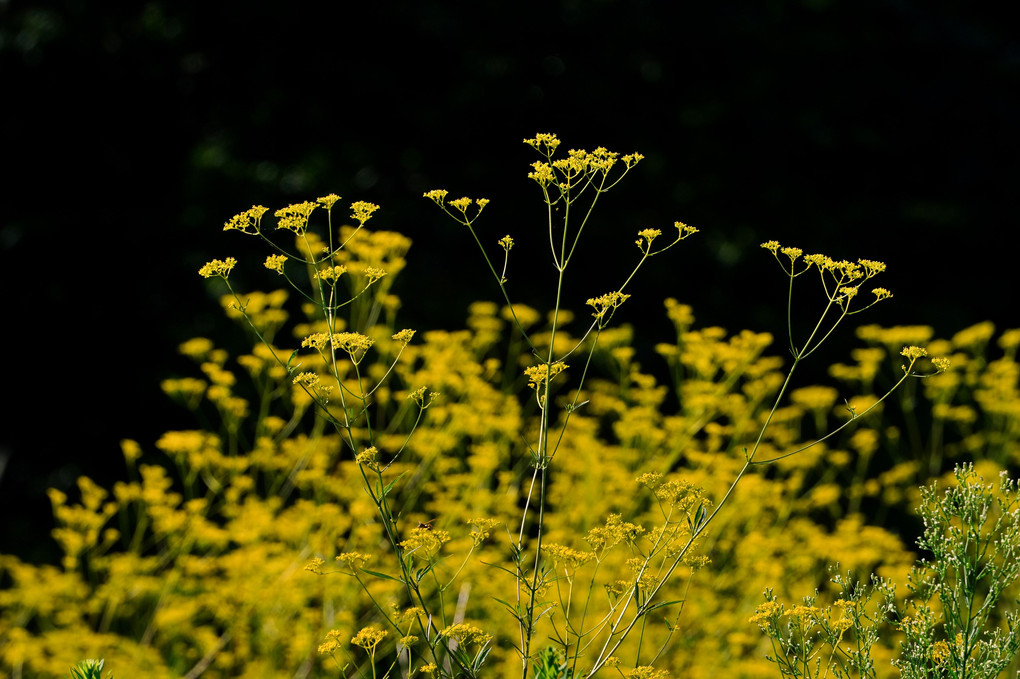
column 528, row 495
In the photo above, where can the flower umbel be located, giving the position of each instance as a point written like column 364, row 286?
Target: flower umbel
column 295, row 217
column 248, row 221
column 218, row 268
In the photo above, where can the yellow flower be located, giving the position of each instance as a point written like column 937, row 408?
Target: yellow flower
column 404, row 337
column 481, row 530
column 616, row 530
column 196, row 348
column 354, row 560
column 362, row 211
column 295, row 217
column 566, row 555
column 218, row 268
column 646, row 236
column 369, row 457
column 684, row 230
column 815, row 397
column 419, row 397
column 542, row 173
column 328, row 201
column 545, row 141
column 871, row 267
column 913, row 352
column 610, row 300
column 765, row 613
column 438, row 196
column 329, row 274
column 373, row 274
column 466, row 634
column 424, row 542
column 792, row 253
column 537, row 375
column 881, row 293
column 248, row 221
column 332, row 642
column 646, row 672
column 632, row 159
column 805, row 613
column 275, row 262
column 307, row 379
column 369, row 637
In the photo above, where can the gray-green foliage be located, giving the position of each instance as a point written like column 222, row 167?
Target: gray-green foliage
column 955, row 624
column 957, row 621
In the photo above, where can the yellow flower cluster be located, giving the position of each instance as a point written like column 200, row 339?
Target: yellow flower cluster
column 332, row 642
column 354, row 560
column 248, row 221
column 567, row 556
column 646, row 236
column 538, row 375
column 466, row 634
column 482, row 528
column 369, row 457
column 295, row 217
column 544, row 143
column 607, row 303
column 331, row 274
column 615, row 531
column 328, row 201
column 646, row 672
column 421, row 398
column 403, row 337
column 369, row 637
column 361, row 211
column 275, row 263
column 218, row 268
column 424, row 542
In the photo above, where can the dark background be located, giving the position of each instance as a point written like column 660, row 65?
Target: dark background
column 875, row 129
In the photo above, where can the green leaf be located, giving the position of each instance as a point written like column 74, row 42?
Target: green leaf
column 699, row 517
column 382, row 575
column 418, row 576
column 389, row 486
column 663, row 604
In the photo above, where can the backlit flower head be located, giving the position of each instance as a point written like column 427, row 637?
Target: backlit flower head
column 331, row 274
column 218, row 268
column 369, row 637
column 275, row 263
column 466, row 634
column 404, row 336
column 646, row 236
column 295, row 217
column 328, row 201
column 607, row 302
column 539, row 374
column 438, row 196
column 248, row 221
column 362, row 211
column 542, row 173
column 544, row 143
